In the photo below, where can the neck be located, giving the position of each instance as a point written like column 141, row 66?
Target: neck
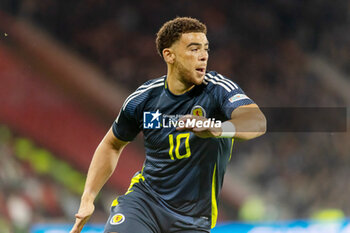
column 176, row 83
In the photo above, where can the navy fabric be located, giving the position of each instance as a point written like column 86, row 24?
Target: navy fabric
column 142, row 213
column 179, row 166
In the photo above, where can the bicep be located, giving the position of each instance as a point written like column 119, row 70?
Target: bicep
column 112, row 141
column 250, row 109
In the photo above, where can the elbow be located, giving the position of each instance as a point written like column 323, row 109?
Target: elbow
column 262, row 124
column 258, row 127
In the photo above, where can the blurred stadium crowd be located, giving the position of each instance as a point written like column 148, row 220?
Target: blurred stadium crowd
column 265, row 47
column 36, row 187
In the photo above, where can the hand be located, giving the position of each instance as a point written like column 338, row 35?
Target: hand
column 83, row 215
column 205, row 131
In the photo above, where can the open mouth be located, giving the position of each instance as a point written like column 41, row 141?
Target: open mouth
column 201, row 70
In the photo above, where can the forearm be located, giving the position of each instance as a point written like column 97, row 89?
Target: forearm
column 249, row 123
column 249, row 128
column 102, row 166
column 103, row 163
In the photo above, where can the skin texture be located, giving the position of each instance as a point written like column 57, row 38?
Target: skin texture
column 183, row 59
column 186, row 64
column 249, row 122
column 101, row 168
column 186, row 55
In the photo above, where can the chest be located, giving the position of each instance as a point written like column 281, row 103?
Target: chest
column 161, row 114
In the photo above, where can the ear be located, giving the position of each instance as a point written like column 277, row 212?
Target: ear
column 168, row 55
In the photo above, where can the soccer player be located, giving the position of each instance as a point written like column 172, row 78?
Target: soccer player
column 187, row 149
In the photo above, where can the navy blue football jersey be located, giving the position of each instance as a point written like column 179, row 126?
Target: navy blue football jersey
column 182, row 171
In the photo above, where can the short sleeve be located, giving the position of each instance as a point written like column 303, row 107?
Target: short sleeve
column 228, row 94
column 233, row 100
column 125, row 127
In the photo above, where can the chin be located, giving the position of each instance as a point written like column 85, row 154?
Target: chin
column 198, row 81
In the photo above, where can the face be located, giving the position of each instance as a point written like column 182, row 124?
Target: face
column 191, row 57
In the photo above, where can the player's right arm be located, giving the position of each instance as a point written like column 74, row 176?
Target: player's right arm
column 105, row 159
column 103, row 163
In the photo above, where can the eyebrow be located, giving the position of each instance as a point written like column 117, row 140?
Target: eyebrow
column 194, row 43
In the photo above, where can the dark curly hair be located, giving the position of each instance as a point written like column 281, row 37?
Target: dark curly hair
column 172, row 30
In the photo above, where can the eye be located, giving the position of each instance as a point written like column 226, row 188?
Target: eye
column 194, row 49
column 207, row 49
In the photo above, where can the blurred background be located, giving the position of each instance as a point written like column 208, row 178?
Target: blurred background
column 67, row 66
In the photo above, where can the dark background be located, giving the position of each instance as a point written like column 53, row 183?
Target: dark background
column 55, row 109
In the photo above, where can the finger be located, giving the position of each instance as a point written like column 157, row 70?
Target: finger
column 190, row 128
column 83, row 214
column 201, row 129
column 192, row 117
column 188, row 116
column 184, row 124
column 74, row 228
column 78, row 226
column 79, row 223
column 82, row 224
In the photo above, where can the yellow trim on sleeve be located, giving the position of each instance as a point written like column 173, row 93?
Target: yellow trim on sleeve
column 214, row 207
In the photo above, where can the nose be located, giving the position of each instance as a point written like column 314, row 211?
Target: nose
column 203, row 55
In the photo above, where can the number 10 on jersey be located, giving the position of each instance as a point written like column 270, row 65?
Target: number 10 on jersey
column 179, row 139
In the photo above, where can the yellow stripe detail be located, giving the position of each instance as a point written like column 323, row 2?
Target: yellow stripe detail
column 134, row 180
column 115, row 202
column 214, row 206
column 231, row 149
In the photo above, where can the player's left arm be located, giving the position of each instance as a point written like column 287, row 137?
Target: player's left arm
column 247, row 122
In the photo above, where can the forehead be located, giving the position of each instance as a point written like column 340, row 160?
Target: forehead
column 193, row 37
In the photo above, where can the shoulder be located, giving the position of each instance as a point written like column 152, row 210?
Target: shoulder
column 216, row 82
column 142, row 93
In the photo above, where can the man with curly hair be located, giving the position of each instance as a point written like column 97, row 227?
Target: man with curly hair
column 189, row 118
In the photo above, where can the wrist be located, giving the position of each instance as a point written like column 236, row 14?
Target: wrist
column 87, row 197
column 228, row 130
